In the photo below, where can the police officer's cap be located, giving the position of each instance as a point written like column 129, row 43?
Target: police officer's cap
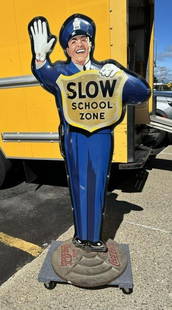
column 76, row 24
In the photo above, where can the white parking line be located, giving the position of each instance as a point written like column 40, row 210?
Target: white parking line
column 149, row 227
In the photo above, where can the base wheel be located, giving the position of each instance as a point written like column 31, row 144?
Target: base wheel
column 50, row 285
column 127, row 290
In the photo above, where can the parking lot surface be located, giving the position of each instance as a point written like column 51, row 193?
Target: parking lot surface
column 141, row 219
column 29, row 219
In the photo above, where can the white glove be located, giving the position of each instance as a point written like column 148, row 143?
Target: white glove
column 40, row 39
column 109, row 70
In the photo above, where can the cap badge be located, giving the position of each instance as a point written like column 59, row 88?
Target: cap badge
column 76, row 24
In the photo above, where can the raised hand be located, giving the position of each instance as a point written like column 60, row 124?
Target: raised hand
column 42, row 42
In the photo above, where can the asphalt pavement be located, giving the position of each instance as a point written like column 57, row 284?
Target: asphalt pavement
column 30, row 217
column 143, row 220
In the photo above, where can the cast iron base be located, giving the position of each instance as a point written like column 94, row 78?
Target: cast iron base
column 65, row 263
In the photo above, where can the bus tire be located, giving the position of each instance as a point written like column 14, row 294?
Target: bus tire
column 5, row 165
column 154, row 138
column 169, row 138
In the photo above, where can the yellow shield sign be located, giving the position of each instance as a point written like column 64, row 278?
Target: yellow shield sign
column 91, row 101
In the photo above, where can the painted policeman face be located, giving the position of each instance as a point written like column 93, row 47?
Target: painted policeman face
column 79, row 49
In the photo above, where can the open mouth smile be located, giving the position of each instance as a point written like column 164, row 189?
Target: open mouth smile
column 80, row 51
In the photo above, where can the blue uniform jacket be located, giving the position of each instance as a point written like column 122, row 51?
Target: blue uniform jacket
column 87, row 156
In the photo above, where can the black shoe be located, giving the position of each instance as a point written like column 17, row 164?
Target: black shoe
column 79, row 243
column 98, row 246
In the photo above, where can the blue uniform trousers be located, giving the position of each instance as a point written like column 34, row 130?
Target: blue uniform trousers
column 87, row 160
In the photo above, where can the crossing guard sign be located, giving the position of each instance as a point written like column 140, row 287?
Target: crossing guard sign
column 91, row 101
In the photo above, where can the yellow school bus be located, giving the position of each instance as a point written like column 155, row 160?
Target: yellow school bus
column 29, row 119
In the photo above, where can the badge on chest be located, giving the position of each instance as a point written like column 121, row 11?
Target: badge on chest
column 91, row 101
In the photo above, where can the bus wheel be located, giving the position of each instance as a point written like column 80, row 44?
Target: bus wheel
column 154, row 137
column 5, row 165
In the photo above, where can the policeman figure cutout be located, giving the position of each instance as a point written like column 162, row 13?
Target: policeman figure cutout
column 87, row 155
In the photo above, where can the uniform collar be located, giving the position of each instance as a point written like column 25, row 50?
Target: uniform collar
column 87, row 65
